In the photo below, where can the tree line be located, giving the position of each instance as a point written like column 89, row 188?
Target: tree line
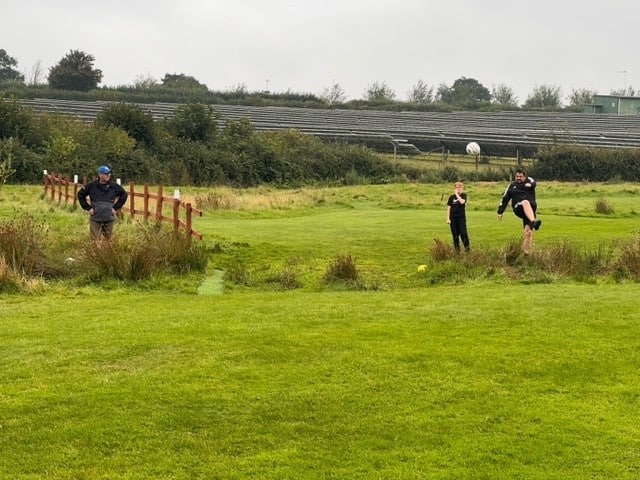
column 191, row 148
column 75, row 77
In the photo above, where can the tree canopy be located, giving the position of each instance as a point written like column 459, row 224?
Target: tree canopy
column 8, row 71
column 466, row 92
column 75, row 72
column 379, row 92
column 544, row 96
column 130, row 118
column 180, row 80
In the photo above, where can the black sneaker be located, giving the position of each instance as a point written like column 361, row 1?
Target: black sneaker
column 537, row 224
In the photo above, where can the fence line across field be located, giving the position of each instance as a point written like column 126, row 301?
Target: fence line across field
column 59, row 188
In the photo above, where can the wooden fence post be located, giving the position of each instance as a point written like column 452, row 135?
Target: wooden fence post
column 188, row 222
column 146, row 201
column 176, row 214
column 53, row 189
column 132, row 196
column 159, row 204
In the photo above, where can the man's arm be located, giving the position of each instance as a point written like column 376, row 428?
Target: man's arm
column 121, row 199
column 83, row 193
column 505, row 200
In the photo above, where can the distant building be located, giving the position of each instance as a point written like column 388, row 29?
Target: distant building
column 614, row 105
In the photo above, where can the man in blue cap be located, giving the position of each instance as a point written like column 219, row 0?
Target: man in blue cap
column 105, row 199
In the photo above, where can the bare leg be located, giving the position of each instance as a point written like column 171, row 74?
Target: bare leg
column 528, row 211
column 527, row 240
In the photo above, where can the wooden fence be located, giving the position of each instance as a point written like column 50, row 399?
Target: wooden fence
column 60, row 189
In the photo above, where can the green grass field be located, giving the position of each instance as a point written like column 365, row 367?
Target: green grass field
column 485, row 377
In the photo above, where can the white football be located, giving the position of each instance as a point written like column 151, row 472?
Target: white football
column 473, row 148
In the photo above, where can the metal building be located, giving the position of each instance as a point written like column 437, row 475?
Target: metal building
column 614, row 105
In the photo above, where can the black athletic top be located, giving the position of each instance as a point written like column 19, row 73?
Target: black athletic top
column 457, row 208
column 517, row 192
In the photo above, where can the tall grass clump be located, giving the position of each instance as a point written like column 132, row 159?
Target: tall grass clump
column 148, row 252
column 342, row 269
column 604, row 207
column 16, row 282
column 175, row 250
column 22, row 243
column 565, row 259
column 447, row 265
column 628, row 264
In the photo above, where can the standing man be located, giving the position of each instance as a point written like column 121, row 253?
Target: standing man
column 456, row 217
column 105, row 199
column 522, row 194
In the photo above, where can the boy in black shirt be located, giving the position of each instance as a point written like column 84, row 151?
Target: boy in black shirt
column 456, row 217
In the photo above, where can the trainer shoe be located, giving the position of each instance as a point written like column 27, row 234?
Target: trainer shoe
column 536, row 224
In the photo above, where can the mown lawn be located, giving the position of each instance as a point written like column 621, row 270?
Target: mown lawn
column 487, row 377
column 478, row 381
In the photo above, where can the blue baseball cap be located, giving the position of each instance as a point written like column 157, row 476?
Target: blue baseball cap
column 104, row 170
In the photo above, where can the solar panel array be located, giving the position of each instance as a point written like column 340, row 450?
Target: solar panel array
column 507, row 134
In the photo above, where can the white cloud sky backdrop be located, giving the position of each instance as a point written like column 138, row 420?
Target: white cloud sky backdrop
column 307, row 45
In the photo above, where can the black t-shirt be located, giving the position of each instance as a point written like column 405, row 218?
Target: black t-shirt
column 457, row 208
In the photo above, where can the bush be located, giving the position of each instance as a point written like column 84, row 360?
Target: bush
column 574, row 163
column 130, row 118
column 342, row 269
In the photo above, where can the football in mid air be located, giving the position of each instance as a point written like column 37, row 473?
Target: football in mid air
column 473, row 148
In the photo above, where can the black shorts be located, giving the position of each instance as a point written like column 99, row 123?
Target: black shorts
column 519, row 212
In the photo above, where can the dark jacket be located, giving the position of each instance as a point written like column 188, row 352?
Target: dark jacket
column 517, row 192
column 103, row 198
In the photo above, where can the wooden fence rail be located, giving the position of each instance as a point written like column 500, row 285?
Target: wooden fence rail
column 60, row 189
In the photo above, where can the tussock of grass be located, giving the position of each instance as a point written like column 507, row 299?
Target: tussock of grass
column 342, row 269
column 152, row 250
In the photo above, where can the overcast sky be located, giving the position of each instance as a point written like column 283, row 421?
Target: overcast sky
column 308, row 45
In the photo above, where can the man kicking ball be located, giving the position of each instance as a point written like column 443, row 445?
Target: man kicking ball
column 522, row 194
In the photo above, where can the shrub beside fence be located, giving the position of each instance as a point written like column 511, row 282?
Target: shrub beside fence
column 60, row 189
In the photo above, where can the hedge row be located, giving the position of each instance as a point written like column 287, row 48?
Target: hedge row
column 575, row 163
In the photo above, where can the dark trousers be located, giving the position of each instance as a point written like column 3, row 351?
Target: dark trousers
column 100, row 230
column 459, row 232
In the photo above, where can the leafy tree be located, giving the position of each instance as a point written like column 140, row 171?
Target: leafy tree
column 625, row 92
column 182, row 81
column 15, row 120
column 582, row 97
column 194, row 121
column 130, row 118
column 333, row 95
column 421, row 93
column 379, row 92
column 75, row 72
column 6, row 157
column 145, row 82
column 8, row 71
column 504, row 95
column 465, row 92
column 239, row 90
column 544, row 96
